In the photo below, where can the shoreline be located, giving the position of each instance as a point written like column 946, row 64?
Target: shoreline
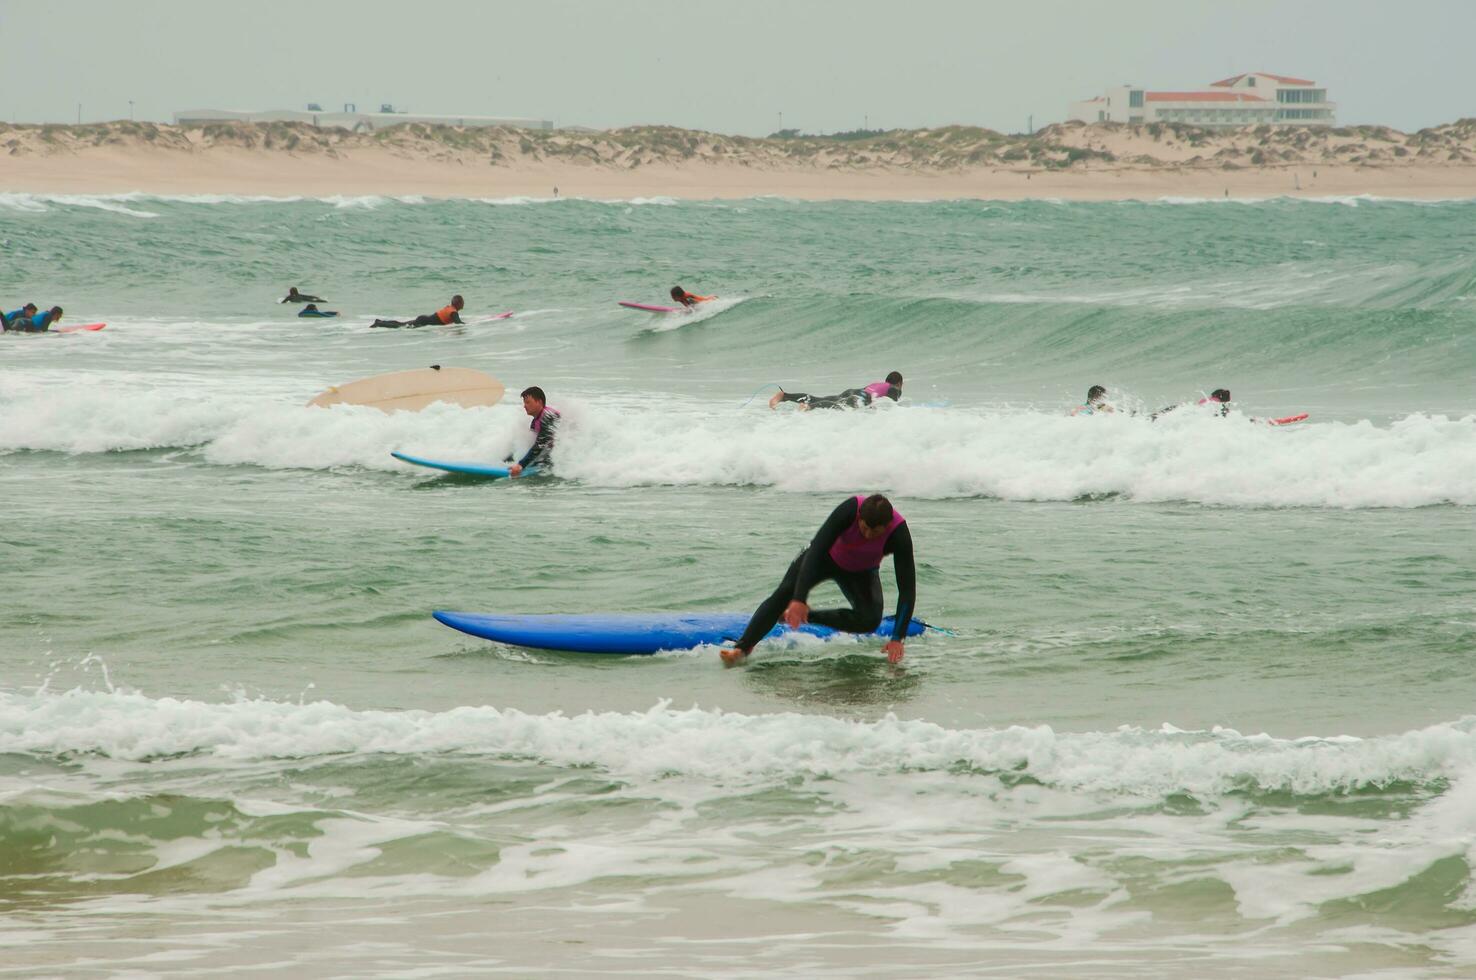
column 297, row 178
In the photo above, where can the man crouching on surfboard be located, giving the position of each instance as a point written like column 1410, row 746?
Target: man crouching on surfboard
column 848, row 549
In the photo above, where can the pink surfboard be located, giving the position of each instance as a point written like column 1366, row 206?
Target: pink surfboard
column 495, row 316
column 73, row 328
column 1287, row 420
column 649, row 308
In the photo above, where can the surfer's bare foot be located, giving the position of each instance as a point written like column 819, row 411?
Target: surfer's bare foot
column 732, row 656
column 774, row 402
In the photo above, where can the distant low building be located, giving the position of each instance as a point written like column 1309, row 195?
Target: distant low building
column 350, row 118
column 1252, row 99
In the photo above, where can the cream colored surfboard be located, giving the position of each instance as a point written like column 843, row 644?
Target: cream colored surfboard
column 410, row 391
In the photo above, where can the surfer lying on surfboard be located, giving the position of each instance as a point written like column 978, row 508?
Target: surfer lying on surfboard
column 1219, row 398
column 545, row 422
column 850, row 398
column 689, row 300
column 1219, row 402
column 848, row 550
column 34, row 322
column 451, row 313
column 15, row 316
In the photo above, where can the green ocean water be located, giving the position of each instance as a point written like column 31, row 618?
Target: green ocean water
column 1206, row 708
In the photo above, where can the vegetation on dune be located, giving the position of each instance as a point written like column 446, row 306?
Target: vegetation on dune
column 1061, row 146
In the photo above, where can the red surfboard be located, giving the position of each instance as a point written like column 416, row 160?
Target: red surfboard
column 73, row 328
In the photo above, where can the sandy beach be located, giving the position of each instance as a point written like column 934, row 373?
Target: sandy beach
column 1068, row 161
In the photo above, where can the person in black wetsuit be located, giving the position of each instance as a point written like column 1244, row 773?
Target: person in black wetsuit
column 848, row 550
column 450, row 313
column 545, row 422
column 850, row 398
column 293, row 296
column 1220, row 398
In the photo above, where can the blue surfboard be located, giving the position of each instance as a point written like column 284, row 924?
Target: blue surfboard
column 467, row 469
column 624, row 633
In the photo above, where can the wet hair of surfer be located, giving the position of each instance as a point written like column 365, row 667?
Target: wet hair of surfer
column 457, row 301
column 1095, row 394
column 533, row 400
column 895, row 378
column 1220, row 395
column 874, row 516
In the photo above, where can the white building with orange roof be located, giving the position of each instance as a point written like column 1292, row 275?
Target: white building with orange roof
column 1253, row 99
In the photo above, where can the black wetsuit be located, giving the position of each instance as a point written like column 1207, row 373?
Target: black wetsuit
column 850, row 398
column 424, row 320
column 540, row 454
column 1222, row 409
column 302, row 298
column 862, row 590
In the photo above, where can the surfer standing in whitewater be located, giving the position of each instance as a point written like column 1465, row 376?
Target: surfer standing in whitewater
column 544, row 425
column 848, row 550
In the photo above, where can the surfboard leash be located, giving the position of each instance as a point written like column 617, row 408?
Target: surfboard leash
column 761, row 388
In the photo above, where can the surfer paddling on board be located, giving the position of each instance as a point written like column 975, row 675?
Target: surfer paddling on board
column 37, row 322
column 848, row 550
column 683, row 298
column 545, row 422
column 16, row 316
column 450, row 313
column 1219, row 398
column 850, row 398
column 293, row 296
column 1096, row 402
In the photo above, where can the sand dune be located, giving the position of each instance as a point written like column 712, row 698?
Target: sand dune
column 1070, row 160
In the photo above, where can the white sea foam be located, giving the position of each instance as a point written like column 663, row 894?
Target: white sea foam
column 663, row 323
column 1019, row 838
column 1346, row 200
column 117, row 203
column 737, row 749
column 1419, row 460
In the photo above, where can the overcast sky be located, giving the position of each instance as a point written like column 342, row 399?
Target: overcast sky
column 729, row 66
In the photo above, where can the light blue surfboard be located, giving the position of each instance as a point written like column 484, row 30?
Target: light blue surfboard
column 467, row 469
